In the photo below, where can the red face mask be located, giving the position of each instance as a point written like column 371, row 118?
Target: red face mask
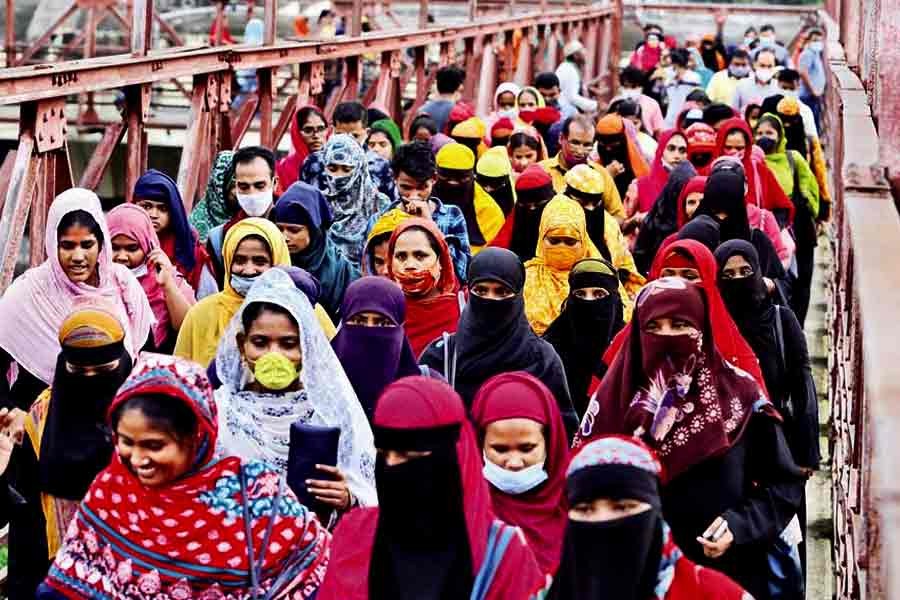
column 415, row 283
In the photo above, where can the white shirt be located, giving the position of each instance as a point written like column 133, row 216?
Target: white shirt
column 570, row 87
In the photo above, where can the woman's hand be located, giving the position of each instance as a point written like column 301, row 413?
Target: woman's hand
column 333, row 492
column 615, row 168
column 162, row 267
column 717, row 538
column 12, row 431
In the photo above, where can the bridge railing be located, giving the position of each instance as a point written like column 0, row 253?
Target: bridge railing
column 865, row 338
column 31, row 176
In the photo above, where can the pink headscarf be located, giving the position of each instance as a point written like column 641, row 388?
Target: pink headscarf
column 38, row 302
column 133, row 221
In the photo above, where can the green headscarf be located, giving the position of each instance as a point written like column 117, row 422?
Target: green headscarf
column 390, row 129
column 779, row 165
column 212, row 210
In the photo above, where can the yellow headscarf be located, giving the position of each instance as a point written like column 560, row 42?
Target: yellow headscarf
column 586, row 179
column 547, row 274
column 472, row 128
column 495, row 163
column 90, row 328
column 488, row 214
column 386, row 224
column 207, row 320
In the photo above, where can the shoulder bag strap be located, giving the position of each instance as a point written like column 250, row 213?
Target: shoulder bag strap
column 498, row 540
column 449, row 358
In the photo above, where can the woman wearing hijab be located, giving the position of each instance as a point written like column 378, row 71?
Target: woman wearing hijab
column 308, row 132
column 471, row 133
column 303, row 216
column 351, row 193
column 731, row 485
column 734, row 138
column 157, row 194
column 371, row 345
column 420, row 262
column 616, row 542
column 701, row 146
column 277, row 368
column 587, row 186
column 494, row 173
column 79, row 267
column 506, row 103
column 124, row 541
column 775, row 335
column 591, row 316
column 456, row 185
column 562, row 241
column 219, row 203
column 68, row 442
column 670, row 152
column 807, row 143
column 135, row 245
column 619, row 153
column 692, row 261
column 251, row 247
column 433, row 534
column 534, row 189
column 384, row 137
column 525, row 450
column 662, row 219
column 722, row 201
column 374, row 260
column 798, row 182
column 494, row 337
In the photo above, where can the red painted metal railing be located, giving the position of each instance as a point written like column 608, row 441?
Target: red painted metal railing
column 864, row 379
column 40, row 168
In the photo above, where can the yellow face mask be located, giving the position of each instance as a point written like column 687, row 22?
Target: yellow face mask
column 562, row 256
column 274, row 371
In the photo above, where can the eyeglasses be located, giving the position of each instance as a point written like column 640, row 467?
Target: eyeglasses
column 310, row 130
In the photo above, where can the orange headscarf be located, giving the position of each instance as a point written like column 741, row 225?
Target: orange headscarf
column 615, row 125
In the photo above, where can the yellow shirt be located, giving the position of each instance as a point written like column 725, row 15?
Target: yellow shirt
column 612, row 201
column 721, row 87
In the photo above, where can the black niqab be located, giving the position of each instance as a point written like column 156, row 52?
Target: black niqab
column 662, row 218
column 724, row 193
column 462, row 196
column 77, row 444
column 703, row 229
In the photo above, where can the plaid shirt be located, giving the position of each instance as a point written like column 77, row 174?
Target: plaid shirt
column 450, row 220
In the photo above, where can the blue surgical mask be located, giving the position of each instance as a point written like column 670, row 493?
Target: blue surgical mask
column 514, row 482
column 767, row 42
column 739, row 72
column 749, row 40
column 241, row 284
column 817, row 46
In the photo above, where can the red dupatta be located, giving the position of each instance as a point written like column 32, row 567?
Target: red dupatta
column 693, row 186
column 650, row 186
column 288, row 168
column 729, row 342
column 428, row 318
column 763, row 188
column 541, row 513
column 424, row 403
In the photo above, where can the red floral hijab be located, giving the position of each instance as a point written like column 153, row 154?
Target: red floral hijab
column 188, row 538
column 729, row 342
column 676, row 393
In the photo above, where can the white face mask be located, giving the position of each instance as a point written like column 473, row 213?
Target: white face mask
column 767, row 42
column 256, row 205
column 631, row 93
column 514, row 482
column 140, row 271
column 510, row 113
column 764, row 75
column 789, row 93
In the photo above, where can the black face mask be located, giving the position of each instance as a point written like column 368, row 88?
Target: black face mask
column 618, row 560
column 499, row 141
column 767, row 144
column 743, row 296
column 594, row 318
column 420, row 501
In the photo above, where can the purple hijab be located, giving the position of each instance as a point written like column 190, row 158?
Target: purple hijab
column 374, row 357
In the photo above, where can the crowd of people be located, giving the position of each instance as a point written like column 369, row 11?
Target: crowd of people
column 553, row 351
